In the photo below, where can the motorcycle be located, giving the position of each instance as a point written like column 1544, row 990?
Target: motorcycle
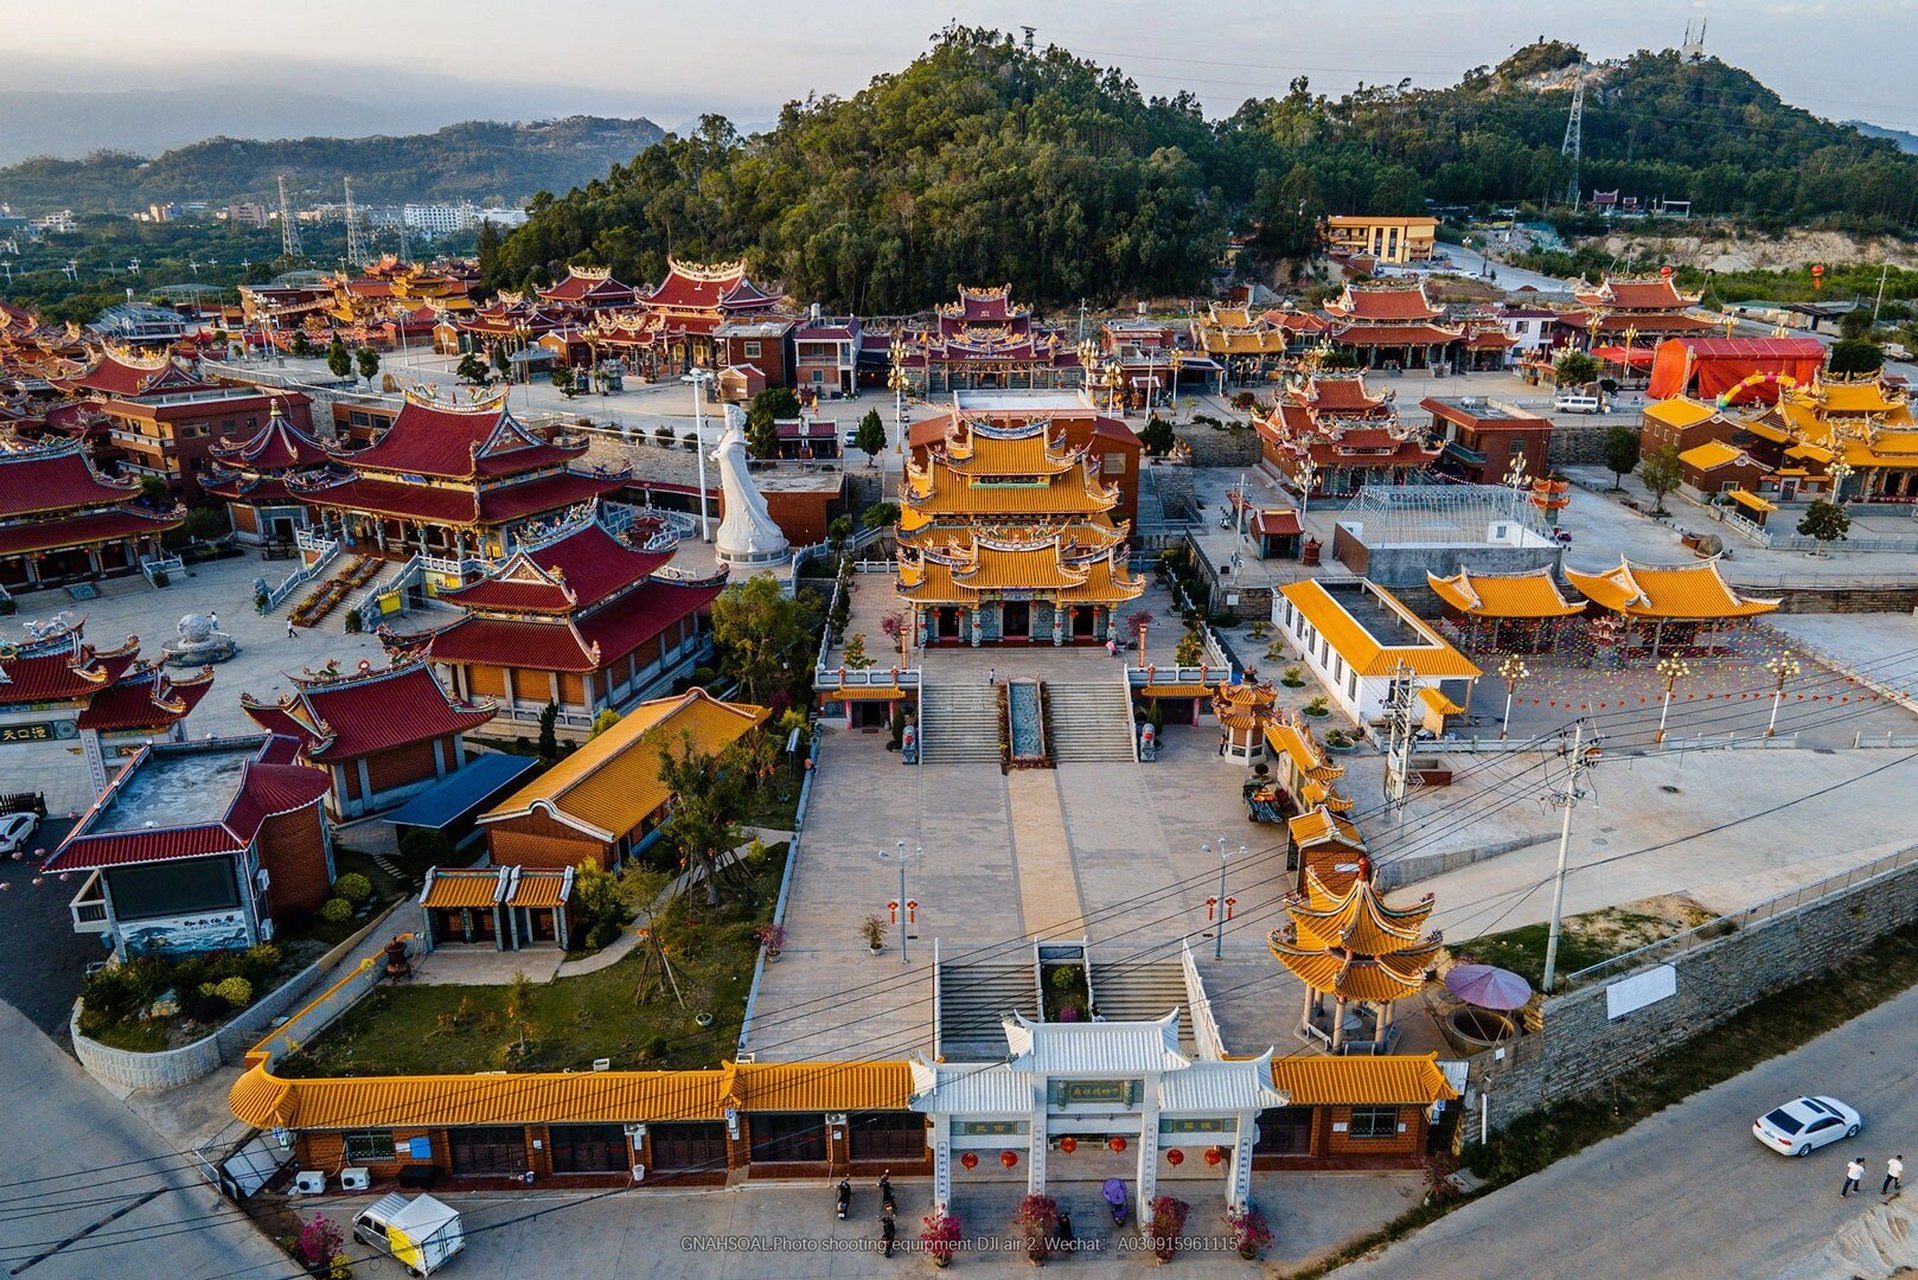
column 1115, row 1196
column 845, row 1198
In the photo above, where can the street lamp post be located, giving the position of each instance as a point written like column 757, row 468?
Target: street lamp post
column 1674, row 670
column 1218, row 914
column 699, row 378
column 1177, row 359
column 1307, row 475
column 896, row 382
column 1783, row 667
column 1511, row 671
column 899, row 857
column 1840, row 471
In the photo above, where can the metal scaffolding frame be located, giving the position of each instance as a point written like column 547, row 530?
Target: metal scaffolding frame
column 1409, row 514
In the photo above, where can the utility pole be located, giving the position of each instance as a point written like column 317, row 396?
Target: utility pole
column 1574, row 138
column 1883, row 271
column 1577, row 764
column 289, row 228
column 1398, row 754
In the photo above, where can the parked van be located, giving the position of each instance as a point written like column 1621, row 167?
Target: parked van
column 422, row 1233
column 1576, row 402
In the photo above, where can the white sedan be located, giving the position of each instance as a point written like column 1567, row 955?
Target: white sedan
column 15, row 830
column 1803, row 1125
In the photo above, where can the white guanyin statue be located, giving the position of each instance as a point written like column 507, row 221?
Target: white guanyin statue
column 748, row 534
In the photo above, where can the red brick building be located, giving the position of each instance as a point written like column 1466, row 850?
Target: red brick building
column 381, row 736
column 1480, row 438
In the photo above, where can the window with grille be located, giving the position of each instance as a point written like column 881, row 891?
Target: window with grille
column 1284, row 1131
column 589, row 1148
column 1374, row 1122
column 488, row 1149
column 687, row 1146
column 369, row 1146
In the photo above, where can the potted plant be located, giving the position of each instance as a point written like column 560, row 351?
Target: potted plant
column 940, row 1235
column 1318, row 708
column 873, row 929
column 1036, row 1218
column 772, row 936
column 1292, row 678
column 1338, row 740
column 1249, row 1228
column 1168, row 1223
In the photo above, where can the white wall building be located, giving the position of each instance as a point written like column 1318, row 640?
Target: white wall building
column 1357, row 638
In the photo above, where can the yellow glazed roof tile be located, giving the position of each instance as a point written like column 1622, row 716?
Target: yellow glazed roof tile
column 1405, row 1079
column 1513, row 595
column 1367, row 654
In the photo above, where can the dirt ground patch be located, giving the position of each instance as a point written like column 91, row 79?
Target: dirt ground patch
column 1590, row 938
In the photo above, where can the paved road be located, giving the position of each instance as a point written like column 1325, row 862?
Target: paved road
column 45, row 958
column 75, row 1156
column 1689, row 1192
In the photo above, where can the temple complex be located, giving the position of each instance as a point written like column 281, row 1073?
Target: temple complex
column 1658, row 607
column 588, row 289
column 1391, row 324
column 252, row 478
column 380, row 735
column 1346, row 943
column 581, row 619
column 1860, row 421
column 1006, row 535
column 451, row 481
column 1634, row 313
column 1509, row 612
column 1329, row 435
column 986, row 340
column 60, row 520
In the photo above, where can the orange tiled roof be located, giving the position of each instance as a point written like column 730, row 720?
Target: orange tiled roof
column 1532, row 594
column 1695, row 591
column 451, row 889
column 1351, row 977
column 1406, row 1079
column 1432, row 657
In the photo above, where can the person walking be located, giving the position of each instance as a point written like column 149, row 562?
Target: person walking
column 1854, row 1174
column 1894, row 1175
column 992, row 675
column 886, row 1232
column 290, row 633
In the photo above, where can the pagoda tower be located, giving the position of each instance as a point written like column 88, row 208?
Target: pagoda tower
column 1344, row 942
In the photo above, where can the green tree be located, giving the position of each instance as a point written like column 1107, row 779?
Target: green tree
column 1575, row 369
column 879, row 515
column 549, row 732
column 487, row 250
column 600, row 910
column 1855, row 355
column 566, row 381
column 300, row 346
column 871, row 436
column 838, row 532
column 472, row 369
column 605, row 720
column 762, row 633
column 502, row 360
column 1855, row 323
column 768, row 407
column 1824, row 521
column 1662, row 474
column 518, row 1007
column 368, row 362
column 338, row 360
column 708, row 795
column 1157, row 436
column 1621, row 453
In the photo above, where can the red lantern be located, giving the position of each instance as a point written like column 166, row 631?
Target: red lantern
column 1008, row 1158
column 1175, row 1157
column 1068, row 1144
column 969, row 1160
column 1213, row 1156
column 1665, row 271
column 1117, row 1144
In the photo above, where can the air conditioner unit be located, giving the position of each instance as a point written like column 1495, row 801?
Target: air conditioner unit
column 266, row 930
column 639, row 1173
column 309, row 1182
column 355, row 1179
column 835, row 1117
column 264, row 878
column 602, row 1064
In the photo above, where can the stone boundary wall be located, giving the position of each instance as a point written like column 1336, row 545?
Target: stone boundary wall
column 1579, row 1048
column 170, row 1068
column 1581, row 443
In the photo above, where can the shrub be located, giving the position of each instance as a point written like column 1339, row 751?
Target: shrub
column 421, row 845
column 261, row 961
column 353, row 622
column 115, row 993
column 354, row 887
column 236, row 991
column 160, row 579
column 336, row 911
column 320, row 1239
column 209, row 1006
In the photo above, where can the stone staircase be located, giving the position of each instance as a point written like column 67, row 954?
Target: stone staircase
column 959, row 723
column 1091, row 720
column 972, row 999
column 1143, row 991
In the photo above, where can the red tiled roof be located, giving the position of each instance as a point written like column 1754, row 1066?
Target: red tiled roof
column 683, row 290
column 1394, row 335
column 63, row 676
column 145, row 700
column 548, row 493
column 1407, row 454
column 257, row 489
column 634, row 619
column 56, row 478
column 458, row 443
column 114, row 376
column 82, row 531
column 360, row 714
column 1639, row 295
column 1489, row 340
column 1339, row 394
column 578, row 288
column 559, row 645
column 394, row 498
column 573, row 572
column 1272, row 524
column 277, row 446
column 1383, row 304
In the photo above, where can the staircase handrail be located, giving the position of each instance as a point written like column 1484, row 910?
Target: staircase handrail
column 329, row 552
column 1205, row 1026
column 366, row 606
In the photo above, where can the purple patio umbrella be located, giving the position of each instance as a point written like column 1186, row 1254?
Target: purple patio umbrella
column 1488, row 987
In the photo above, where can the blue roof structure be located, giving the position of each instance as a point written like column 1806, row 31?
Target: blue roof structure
column 446, row 802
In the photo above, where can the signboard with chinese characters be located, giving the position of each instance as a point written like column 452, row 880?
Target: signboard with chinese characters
column 1108, row 1093
column 39, row 731
column 990, row 1128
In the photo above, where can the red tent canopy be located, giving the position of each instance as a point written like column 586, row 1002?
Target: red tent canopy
column 1708, row 367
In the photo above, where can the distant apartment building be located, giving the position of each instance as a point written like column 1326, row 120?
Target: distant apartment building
column 446, row 219
column 61, row 222
column 1386, row 240
column 247, row 214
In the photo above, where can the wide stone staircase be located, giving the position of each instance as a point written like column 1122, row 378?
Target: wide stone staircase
column 972, row 999
column 1143, row 991
column 958, row 723
column 1091, row 720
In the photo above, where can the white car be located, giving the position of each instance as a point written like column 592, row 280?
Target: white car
column 15, row 830
column 1803, row 1125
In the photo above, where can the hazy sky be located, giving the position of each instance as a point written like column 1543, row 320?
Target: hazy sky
column 433, row 59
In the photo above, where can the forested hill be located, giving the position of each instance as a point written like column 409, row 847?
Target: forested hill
column 462, row 161
column 982, row 163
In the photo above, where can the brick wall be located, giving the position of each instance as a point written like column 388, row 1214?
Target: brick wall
column 536, row 840
column 396, row 768
column 1579, row 1048
column 293, row 851
column 1578, row 442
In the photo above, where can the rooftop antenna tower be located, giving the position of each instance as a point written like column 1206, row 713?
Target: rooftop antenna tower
column 289, row 229
column 352, row 229
column 1030, row 32
column 1694, row 47
column 1574, row 138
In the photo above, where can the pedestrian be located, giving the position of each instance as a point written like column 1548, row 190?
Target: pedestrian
column 1894, row 1175
column 289, row 629
column 1063, row 1229
column 1112, row 647
column 886, row 1231
column 214, row 618
column 992, row 675
column 1854, row 1174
